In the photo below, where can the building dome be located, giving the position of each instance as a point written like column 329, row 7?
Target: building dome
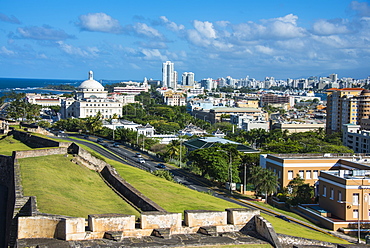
column 91, row 83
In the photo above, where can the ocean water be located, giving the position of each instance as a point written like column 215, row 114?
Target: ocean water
column 26, row 85
column 32, row 85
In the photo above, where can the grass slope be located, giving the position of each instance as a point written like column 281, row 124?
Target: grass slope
column 8, row 144
column 64, row 188
column 177, row 198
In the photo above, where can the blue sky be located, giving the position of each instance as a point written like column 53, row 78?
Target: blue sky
column 125, row 39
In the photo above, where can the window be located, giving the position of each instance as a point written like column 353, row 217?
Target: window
column 315, row 174
column 301, row 174
column 355, row 213
column 331, row 194
column 308, row 174
column 290, row 175
column 339, row 196
column 324, row 191
column 355, row 198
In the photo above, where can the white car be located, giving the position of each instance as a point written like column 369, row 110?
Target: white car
column 140, row 160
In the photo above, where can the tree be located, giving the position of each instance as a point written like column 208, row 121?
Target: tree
column 218, row 162
column 265, row 181
column 94, row 123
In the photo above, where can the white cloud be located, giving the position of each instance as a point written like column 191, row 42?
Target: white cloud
column 6, row 52
column 203, row 34
column 144, row 30
column 99, row 22
column 76, row 51
column 171, row 25
column 362, row 9
column 264, row 50
column 283, row 27
column 205, row 29
column 327, row 27
column 153, row 54
column 42, row 33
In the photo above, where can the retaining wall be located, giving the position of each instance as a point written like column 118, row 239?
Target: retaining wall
column 85, row 158
column 39, row 153
column 129, row 192
column 265, row 229
column 37, row 141
column 151, row 223
column 7, row 198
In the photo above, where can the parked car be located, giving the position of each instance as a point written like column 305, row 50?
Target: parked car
column 161, row 166
column 283, row 217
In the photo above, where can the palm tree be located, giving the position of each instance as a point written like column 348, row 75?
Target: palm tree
column 264, row 180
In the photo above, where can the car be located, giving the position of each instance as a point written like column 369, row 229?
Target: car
column 138, row 155
column 282, row 217
column 99, row 140
column 141, row 160
column 86, row 136
column 116, row 144
column 161, row 166
column 106, row 144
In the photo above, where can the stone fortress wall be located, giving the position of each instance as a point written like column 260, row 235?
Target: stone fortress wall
column 154, row 220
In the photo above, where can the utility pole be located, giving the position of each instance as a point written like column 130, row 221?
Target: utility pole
column 245, row 178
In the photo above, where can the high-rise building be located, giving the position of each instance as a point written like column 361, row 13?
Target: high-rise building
column 347, row 106
column 188, row 78
column 169, row 75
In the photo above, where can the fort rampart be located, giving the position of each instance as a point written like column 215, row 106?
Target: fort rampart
column 154, row 220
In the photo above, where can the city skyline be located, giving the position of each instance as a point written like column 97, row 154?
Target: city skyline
column 212, row 39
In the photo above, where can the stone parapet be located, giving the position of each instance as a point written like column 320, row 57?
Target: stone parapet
column 158, row 220
column 111, row 222
column 40, row 152
column 240, row 216
column 200, row 218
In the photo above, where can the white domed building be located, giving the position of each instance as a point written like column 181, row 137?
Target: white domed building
column 90, row 99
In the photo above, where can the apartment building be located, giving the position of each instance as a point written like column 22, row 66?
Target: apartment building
column 342, row 184
column 308, row 166
column 344, row 106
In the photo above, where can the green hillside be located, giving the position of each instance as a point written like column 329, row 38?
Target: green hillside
column 64, row 188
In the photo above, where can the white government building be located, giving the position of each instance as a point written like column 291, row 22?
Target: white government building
column 90, row 99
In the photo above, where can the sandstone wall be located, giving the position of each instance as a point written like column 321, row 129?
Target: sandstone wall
column 84, row 157
column 265, row 229
column 129, row 192
column 40, row 152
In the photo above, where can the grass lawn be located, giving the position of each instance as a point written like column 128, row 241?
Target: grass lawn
column 171, row 196
column 64, row 188
column 8, row 144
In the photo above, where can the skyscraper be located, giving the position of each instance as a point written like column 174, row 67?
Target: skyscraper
column 188, row 78
column 169, row 75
